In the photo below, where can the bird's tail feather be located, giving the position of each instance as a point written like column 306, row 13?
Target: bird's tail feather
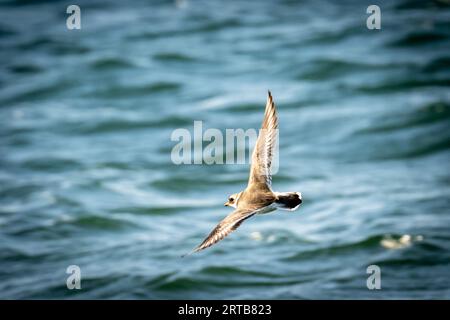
column 288, row 200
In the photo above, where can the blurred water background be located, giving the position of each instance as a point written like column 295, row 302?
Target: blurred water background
column 86, row 176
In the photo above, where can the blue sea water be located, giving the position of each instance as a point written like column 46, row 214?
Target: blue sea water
column 86, row 176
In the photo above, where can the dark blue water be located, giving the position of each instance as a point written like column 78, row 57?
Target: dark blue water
column 86, row 176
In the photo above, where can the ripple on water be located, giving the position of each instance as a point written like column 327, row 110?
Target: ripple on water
column 137, row 90
column 119, row 125
column 368, row 243
column 86, row 175
column 111, row 63
column 173, row 57
column 419, row 38
column 432, row 113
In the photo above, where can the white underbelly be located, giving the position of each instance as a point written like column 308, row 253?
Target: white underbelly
column 267, row 209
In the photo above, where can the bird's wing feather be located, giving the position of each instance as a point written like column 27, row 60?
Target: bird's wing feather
column 260, row 171
column 225, row 227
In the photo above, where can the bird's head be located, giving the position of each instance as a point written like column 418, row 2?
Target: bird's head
column 232, row 200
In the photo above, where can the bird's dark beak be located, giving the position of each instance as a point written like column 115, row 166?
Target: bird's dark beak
column 226, row 204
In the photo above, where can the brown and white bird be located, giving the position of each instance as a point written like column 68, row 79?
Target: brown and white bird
column 258, row 197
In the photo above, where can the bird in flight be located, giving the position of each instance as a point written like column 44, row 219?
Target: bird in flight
column 258, row 197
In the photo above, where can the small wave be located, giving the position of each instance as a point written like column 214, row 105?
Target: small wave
column 151, row 211
column 181, row 183
column 62, row 227
column 128, row 125
column 388, row 148
column 428, row 114
column 51, row 164
column 111, row 63
column 184, row 283
column 35, row 43
column 404, row 84
column 14, row 255
column 5, row 32
column 205, row 28
column 368, row 243
column 439, row 64
column 424, row 125
column 20, row 3
column 413, row 250
column 245, row 107
column 418, row 38
column 404, row 241
column 22, row 190
column 329, row 37
column 160, row 279
column 431, row 146
column 99, row 223
column 55, row 47
column 173, row 57
column 276, row 237
column 415, row 4
column 42, row 91
column 230, row 271
column 331, row 68
column 123, row 92
column 25, row 68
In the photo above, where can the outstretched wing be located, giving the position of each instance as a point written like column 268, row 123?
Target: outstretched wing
column 225, row 227
column 260, row 171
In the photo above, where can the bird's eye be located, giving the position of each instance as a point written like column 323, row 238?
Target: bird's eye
column 231, row 199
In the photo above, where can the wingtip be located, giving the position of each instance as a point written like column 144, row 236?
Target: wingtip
column 191, row 252
column 269, row 94
column 186, row 254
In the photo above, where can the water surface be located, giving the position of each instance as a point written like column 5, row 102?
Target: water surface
column 86, row 176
